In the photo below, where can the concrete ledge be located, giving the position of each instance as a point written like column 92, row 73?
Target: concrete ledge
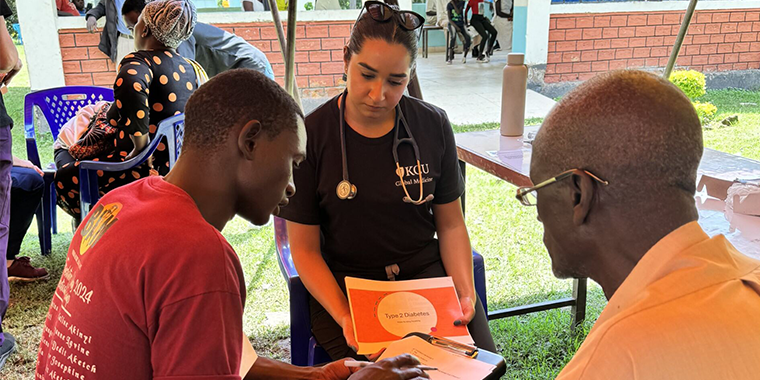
column 236, row 18
column 651, row 6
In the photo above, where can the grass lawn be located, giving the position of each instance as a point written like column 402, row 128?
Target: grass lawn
column 507, row 234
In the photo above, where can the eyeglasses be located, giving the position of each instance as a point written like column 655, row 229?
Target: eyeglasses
column 382, row 12
column 528, row 197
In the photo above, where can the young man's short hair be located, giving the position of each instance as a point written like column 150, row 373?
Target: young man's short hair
column 236, row 96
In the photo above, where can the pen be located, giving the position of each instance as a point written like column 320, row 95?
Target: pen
column 362, row 364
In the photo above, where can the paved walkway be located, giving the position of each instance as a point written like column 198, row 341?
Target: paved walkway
column 471, row 93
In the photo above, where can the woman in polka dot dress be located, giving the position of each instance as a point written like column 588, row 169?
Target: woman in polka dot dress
column 153, row 84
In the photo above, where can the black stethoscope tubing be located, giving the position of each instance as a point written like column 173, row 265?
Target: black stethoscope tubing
column 346, row 189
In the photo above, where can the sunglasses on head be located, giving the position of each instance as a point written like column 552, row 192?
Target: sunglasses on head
column 382, row 12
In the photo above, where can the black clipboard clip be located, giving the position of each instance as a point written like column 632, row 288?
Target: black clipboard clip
column 448, row 344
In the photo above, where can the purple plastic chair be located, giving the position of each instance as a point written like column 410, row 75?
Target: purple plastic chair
column 58, row 105
column 172, row 128
column 304, row 350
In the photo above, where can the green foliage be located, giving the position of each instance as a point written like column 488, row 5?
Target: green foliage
column 308, row 6
column 706, row 111
column 691, row 82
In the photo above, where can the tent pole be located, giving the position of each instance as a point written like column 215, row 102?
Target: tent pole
column 290, row 55
column 679, row 40
column 284, row 48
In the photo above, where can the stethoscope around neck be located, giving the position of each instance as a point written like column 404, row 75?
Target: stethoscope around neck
column 347, row 190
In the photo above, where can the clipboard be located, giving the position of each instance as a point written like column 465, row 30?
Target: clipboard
column 485, row 356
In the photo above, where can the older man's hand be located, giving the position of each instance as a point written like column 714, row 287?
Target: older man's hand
column 402, row 367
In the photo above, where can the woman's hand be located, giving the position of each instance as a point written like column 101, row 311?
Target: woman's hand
column 348, row 331
column 468, row 310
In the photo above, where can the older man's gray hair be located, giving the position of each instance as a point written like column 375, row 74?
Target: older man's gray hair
column 632, row 128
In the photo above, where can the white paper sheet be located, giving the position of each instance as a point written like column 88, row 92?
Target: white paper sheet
column 451, row 366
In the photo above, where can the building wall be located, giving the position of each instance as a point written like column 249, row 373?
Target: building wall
column 582, row 44
column 319, row 55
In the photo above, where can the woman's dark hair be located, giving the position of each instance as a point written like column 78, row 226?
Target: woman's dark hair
column 367, row 28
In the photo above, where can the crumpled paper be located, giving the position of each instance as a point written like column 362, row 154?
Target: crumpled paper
column 743, row 198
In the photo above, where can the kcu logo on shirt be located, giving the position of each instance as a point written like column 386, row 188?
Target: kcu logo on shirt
column 411, row 174
column 103, row 217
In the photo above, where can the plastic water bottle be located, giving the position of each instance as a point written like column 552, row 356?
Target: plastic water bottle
column 513, row 88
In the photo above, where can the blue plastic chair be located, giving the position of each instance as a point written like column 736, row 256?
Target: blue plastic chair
column 173, row 128
column 58, row 105
column 304, row 349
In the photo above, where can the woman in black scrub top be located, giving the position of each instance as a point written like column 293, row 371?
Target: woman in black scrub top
column 369, row 227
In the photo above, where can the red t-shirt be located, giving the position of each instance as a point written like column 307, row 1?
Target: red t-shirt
column 67, row 6
column 150, row 291
column 474, row 5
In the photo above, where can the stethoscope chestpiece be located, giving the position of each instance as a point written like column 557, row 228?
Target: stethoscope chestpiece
column 345, row 190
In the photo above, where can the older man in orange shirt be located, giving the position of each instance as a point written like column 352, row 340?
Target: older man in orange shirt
column 616, row 167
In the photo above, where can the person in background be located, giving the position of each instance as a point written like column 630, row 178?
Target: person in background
column 26, row 195
column 116, row 40
column 80, row 6
column 66, row 8
column 324, row 5
column 456, row 27
column 502, row 22
column 216, row 50
column 483, row 26
column 153, row 84
column 254, row 5
column 173, row 309
column 616, row 166
column 10, row 65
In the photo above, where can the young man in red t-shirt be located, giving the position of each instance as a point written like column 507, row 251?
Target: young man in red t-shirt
column 151, row 289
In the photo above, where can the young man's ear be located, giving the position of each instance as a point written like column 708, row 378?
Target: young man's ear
column 248, row 138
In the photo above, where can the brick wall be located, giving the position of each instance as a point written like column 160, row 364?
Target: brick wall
column 582, row 45
column 319, row 55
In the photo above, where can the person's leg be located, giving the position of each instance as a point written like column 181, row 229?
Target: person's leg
column 504, row 38
column 477, row 23
column 26, row 196
column 492, row 35
column 328, row 333
column 67, row 183
column 6, row 163
column 452, row 42
column 460, row 30
column 466, row 39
